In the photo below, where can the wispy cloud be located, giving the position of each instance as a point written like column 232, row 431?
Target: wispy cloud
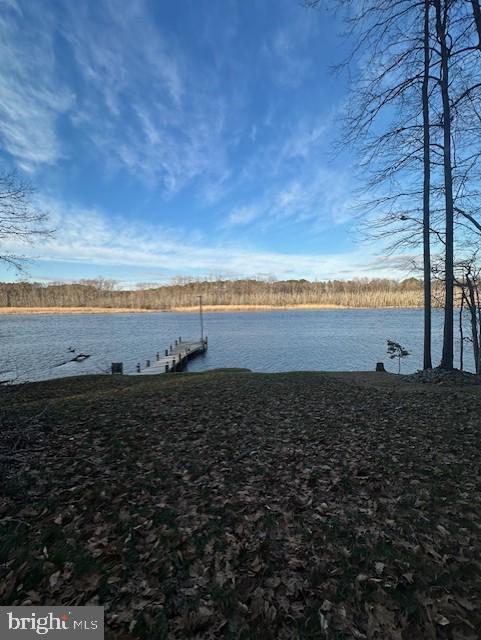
column 318, row 200
column 32, row 99
column 117, row 48
column 243, row 215
column 152, row 109
column 132, row 91
column 287, row 51
column 222, row 134
column 143, row 102
column 293, row 155
column 165, row 124
column 88, row 236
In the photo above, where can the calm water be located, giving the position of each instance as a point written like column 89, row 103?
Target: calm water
column 33, row 347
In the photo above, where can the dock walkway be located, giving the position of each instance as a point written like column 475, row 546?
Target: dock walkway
column 174, row 358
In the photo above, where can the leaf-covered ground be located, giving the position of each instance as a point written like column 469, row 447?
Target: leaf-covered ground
column 239, row 505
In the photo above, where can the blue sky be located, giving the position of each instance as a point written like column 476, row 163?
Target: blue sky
column 180, row 138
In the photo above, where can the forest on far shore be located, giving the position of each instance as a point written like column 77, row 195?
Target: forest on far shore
column 184, row 292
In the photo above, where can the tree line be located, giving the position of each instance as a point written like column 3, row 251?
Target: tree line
column 102, row 293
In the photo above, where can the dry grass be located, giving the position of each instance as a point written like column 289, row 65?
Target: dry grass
column 256, row 307
column 219, row 308
column 41, row 310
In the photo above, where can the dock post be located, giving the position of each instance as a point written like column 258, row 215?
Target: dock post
column 117, row 368
column 166, row 352
column 147, row 363
column 138, row 367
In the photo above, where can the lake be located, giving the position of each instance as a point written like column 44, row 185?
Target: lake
column 35, row 346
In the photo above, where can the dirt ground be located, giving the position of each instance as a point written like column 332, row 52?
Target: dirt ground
column 237, row 505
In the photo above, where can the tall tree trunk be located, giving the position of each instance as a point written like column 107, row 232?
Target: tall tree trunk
column 477, row 19
column 461, row 333
column 478, row 307
column 472, row 306
column 427, row 360
column 447, row 360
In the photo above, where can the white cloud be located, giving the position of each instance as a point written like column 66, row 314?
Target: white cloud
column 116, row 46
column 144, row 103
column 319, row 200
column 243, row 215
column 303, row 140
column 11, row 4
column 88, row 236
column 32, row 98
column 287, row 52
column 138, row 99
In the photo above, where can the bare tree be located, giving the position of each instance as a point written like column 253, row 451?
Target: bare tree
column 467, row 279
column 20, row 221
column 396, row 89
column 415, row 115
column 364, row 292
column 441, row 10
column 427, row 359
column 477, row 19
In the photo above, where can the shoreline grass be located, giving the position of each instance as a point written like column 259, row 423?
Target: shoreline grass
column 185, row 309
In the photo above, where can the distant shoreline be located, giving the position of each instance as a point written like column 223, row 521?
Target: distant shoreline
column 224, row 308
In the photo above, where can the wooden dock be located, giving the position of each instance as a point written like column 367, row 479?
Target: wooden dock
column 174, row 359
